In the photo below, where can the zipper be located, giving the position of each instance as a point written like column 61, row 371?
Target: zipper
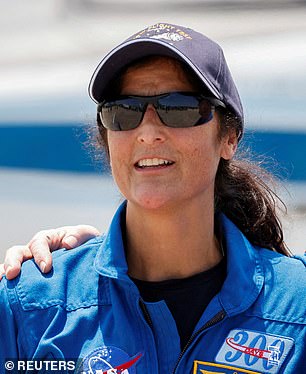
column 217, row 318
column 154, row 360
column 146, row 313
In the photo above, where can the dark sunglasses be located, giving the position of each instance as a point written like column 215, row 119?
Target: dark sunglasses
column 175, row 109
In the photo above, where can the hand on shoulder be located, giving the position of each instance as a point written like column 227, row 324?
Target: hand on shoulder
column 41, row 246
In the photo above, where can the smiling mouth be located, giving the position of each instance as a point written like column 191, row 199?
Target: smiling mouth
column 153, row 163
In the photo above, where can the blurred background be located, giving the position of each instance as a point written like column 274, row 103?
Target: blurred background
column 48, row 51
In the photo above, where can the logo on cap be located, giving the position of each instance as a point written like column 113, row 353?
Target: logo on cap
column 163, row 31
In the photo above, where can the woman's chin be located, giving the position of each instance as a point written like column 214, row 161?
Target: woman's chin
column 152, row 201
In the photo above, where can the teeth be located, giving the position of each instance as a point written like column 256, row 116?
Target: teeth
column 153, row 162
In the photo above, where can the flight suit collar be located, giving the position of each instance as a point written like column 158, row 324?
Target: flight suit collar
column 244, row 278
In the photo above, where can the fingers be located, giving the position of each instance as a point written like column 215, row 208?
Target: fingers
column 77, row 235
column 13, row 259
column 47, row 241
column 41, row 246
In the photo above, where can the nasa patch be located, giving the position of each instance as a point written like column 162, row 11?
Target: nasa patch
column 108, row 360
column 254, row 350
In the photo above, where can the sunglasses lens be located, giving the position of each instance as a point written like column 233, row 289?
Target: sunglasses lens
column 122, row 114
column 179, row 110
column 205, row 111
column 175, row 109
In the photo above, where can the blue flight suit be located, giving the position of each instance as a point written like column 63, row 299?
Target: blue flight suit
column 88, row 308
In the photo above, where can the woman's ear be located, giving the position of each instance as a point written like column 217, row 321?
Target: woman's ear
column 229, row 145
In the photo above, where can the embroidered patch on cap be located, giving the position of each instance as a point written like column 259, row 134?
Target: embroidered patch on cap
column 201, row 367
column 165, row 31
column 255, row 350
column 108, row 360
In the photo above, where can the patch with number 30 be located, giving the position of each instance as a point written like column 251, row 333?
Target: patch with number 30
column 254, row 350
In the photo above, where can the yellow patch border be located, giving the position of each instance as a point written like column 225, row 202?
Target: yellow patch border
column 196, row 363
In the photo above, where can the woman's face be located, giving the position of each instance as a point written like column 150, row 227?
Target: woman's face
column 191, row 154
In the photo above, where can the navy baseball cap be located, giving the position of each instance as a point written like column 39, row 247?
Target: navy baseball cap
column 201, row 54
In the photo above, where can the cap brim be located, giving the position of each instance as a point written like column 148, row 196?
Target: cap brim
column 133, row 50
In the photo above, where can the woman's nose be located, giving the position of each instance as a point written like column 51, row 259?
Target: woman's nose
column 151, row 130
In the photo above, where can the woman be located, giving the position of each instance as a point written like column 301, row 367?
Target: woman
column 192, row 275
